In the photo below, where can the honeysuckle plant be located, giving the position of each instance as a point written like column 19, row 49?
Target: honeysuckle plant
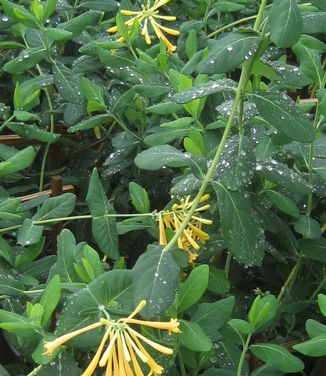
column 198, row 163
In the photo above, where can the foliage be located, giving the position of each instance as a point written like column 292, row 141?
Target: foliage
column 220, row 131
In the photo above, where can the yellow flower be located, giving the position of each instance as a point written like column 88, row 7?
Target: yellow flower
column 124, row 345
column 192, row 233
column 151, row 14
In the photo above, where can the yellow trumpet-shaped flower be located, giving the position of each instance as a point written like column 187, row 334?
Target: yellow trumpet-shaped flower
column 193, row 232
column 150, row 14
column 124, row 345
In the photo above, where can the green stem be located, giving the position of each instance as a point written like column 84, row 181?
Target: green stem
column 319, row 287
column 240, row 120
column 310, row 165
column 243, row 355
column 74, row 217
column 4, row 124
column 35, row 370
column 260, row 14
column 232, row 24
column 227, row 264
column 181, row 364
column 290, row 279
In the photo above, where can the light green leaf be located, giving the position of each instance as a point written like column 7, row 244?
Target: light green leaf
column 50, row 298
column 313, row 347
column 193, row 288
column 139, row 197
column 284, row 203
column 193, row 337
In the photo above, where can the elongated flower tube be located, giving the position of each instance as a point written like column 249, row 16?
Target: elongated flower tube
column 150, row 14
column 123, row 345
column 192, row 233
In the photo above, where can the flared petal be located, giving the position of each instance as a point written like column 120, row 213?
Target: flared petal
column 107, row 352
column 93, row 364
column 171, row 326
column 53, row 345
column 163, row 349
column 168, row 30
column 159, row 34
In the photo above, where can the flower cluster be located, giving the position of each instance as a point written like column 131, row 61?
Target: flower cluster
column 150, row 14
column 192, row 233
column 124, row 345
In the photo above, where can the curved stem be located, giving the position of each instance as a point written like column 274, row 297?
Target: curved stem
column 243, row 355
column 232, row 24
column 4, row 124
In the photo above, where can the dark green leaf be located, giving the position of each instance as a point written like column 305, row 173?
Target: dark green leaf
column 284, row 203
column 56, row 207
column 285, row 23
column 6, row 251
column 308, row 227
column 33, row 132
column 29, row 233
column 218, row 283
column 155, row 280
column 104, row 223
column 27, row 59
column 310, row 63
column 279, row 110
column 139, row 197
column 314, row 249
column 228, row 52
column 241, row 231
column 67, row 83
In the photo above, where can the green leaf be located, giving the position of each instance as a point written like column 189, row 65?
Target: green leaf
column 315, row 249
column 33, row 132
column 7, row 252
column 64, row 266
column 19, row 325
column 90, row 122
column 193, row 337
column 310, row 63
column 313, row 347
column 319, row 4
column 180, row 123
column 321, row 96
column 218, row 283
column 76, row 25
column 322, row 303
column 91, row 91
column 315, row 328
column 104, row 228
column 159, row 156
column 164, row 136
column 308, row 227
column 102, row 5
column 241, row 326
column 284, row 203
column 213, row 316
column 193, row 288
column 227, row 6
column 20, row 14
column 111, row 291
column 18, row 161
column 49, row 8
column 254, row 310
column 266, row 370
column 155, row 280
column 56, row 207
column 10, row 208
column 203, row 90
column 236, row 166
column 283, row 176
column 139, row 197
column 241, row 231
column 113, row 60
column 150, row 91
column 191, row 44
column 58, row 35
column 277, row 356
column 165, row 108
column 228, row 52
column 29, row 233
column 280, row 111
column 29, row 254
column 67, row 83
column 27, row 59
column 50, row 298
column 285, row 23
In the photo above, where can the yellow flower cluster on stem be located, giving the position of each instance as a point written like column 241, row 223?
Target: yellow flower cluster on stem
column 150, row 14
column 124, row 346
column 192, row 233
